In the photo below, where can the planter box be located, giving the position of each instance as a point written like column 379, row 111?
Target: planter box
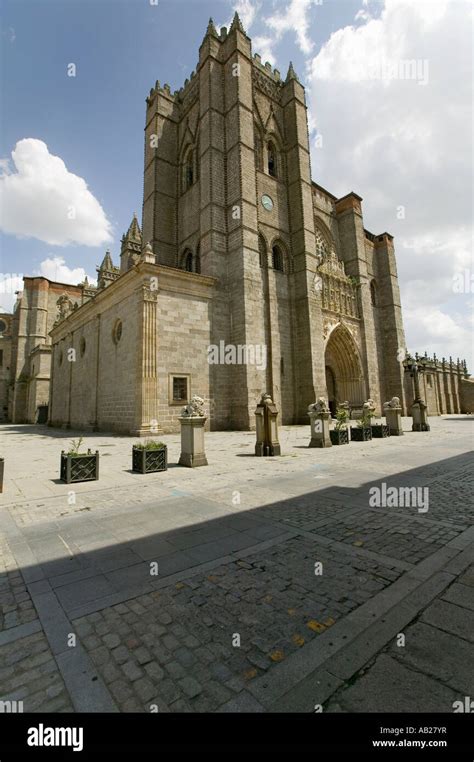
column 149, row 461
column 380, row 431
column 361, row 435
column 339, row 437
column 79, row 468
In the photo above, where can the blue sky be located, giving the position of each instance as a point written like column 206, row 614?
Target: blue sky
column 392, row 142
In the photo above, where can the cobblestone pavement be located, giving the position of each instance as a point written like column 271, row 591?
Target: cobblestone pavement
column 174, row 648
column 16, row 606
column 254, row 584
column 29, row 673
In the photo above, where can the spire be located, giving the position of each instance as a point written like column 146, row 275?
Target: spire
column 237, row 24
column 291, row 73
column 107, row 271
column 107, row 263
column 131, row 246
column 134, row 232
column 211, row 29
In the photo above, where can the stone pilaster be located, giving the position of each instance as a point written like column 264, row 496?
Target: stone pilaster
column 308, row 333
column 389, row 315
column 147, row 386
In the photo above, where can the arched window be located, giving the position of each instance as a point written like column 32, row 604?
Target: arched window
column 322, row 249
column 271, row 159
column 197, row 262
column 373, row 293
column 188, row 261
column 262, row 251
column 189, row 170
column 277, row 259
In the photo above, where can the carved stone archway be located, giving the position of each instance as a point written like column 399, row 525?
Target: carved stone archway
column 344, row 375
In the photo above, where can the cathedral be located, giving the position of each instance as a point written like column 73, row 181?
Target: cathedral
column 245, row 276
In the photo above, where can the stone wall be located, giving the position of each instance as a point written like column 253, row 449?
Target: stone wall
column 444, row 385
column 467, row 395
column 6, row 323
column 34, row 317
column 127, row 343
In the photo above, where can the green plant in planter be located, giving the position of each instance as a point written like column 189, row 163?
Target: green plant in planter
column 75, row 448
column 340, row 434
column 342, row 416
column 151, row 444
column 77, row 466
column 364, row 421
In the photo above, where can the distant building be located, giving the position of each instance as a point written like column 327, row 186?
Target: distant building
column 38, row 306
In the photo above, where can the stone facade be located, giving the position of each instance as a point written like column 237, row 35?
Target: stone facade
column 38, row 307
column 6, row 325
column 240, row 250
column 228, row 193
column 445, row 386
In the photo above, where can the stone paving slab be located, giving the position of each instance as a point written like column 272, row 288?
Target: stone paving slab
column 450, row 618
column 435, row 661
column 391, row 687
column 462, row 595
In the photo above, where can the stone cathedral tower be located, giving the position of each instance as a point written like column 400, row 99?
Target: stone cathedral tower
column 228, row 193
column 239, row 252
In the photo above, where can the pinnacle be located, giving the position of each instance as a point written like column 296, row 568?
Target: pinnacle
column 237, row 24
column 134, row 229
column 291, row 73
column 107, row 261
column 211, row 29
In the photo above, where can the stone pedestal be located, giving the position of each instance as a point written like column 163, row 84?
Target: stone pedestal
column 320, row 436
column 419, row 412
column 192, row 441
column 394, row 421
column 393, row 415
column 266, row 416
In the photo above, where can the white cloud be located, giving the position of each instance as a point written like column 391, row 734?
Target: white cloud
column 9, row 283
column 43, row 200
column 292, row 17
column 247, row 12
column 264, row 47
column 406, row 148
column 55, row 268
column 438, row 331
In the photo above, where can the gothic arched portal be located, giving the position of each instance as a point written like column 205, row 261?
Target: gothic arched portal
column 344, row 377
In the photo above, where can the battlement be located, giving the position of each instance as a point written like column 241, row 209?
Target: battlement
column 266, row 68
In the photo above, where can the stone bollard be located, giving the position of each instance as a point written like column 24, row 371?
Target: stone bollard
column 266, row 416
column 319, row 416
column 419, row 412
column 393, row 415
column 192, row 422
